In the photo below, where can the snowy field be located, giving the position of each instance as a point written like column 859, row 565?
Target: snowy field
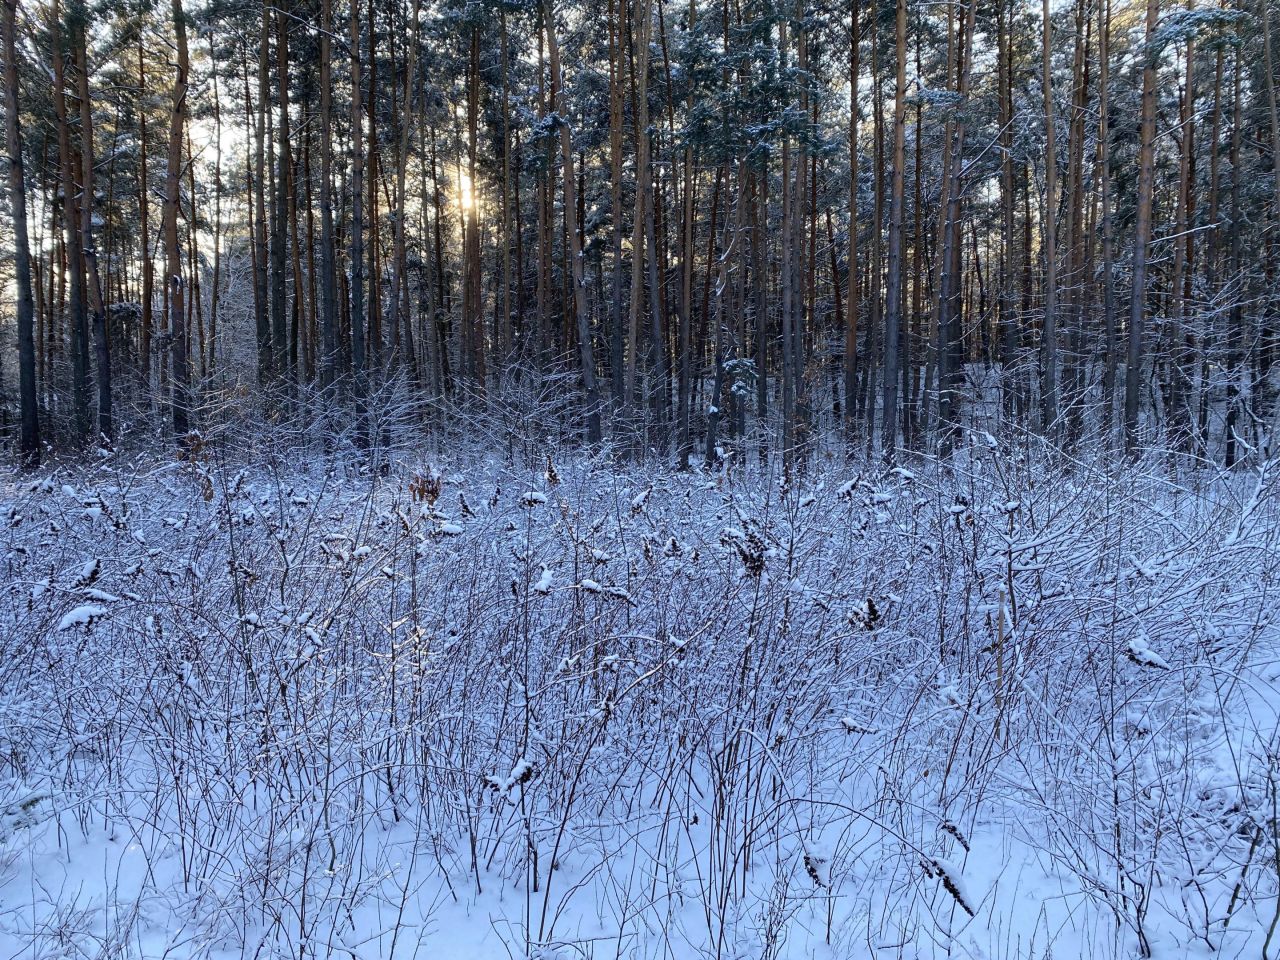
column 256, row 709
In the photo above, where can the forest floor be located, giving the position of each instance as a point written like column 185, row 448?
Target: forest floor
column 262, row 704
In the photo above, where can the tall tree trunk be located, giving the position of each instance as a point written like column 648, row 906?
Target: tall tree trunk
column 1008, row 199
column 29, row 430
column 399, row 259
column 787, row 280
column 504, row 334
column 357, row 234
column 1049, row 327
column 851, row 314
column 72, row 227
column 1179, row 413
column 280, row 211
column 1142, row 236
column 586, row 353
column 759, row 186
column 372, row 165
column 893, row 311
column 1236, row 334
column 723, row 266
column 475, row 280
column 1108, row 252
column 642, row 26
column 617, row 332
column 144, row 205
column 685, row 384
column 93, row 282
column 173, row 255
column 546, row 180
column 800, row 290
column 262, row 320
column 1265, row 346
column 328, row 267
column 867, row 386
column 951, row 356
column 215, row 293
column 1071, row 371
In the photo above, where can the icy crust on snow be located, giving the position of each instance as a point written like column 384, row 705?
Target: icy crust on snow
column 567, row 711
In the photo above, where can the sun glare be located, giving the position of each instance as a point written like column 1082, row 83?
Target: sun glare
column 466, row 193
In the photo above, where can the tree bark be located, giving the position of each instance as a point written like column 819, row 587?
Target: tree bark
column 851, row 310
column 1142, row 237
column 93, row 282
column 586, row 353
column 1049, row 328
column 180, row 400
column 328, row 268
column 1108, row 252
column 357, row 235
column 29, row 430
column 893, row 311
column 76, row 318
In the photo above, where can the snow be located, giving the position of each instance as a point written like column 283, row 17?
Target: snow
column 81, row 616
column 89, row 571
column 545, row 580
column 951, row 875
column 1140, row 652
column 250, row 728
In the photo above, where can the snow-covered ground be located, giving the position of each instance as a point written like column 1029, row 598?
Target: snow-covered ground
column 569, row 710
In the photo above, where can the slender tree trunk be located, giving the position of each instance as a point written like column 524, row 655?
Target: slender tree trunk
column 867, row 387
column 546, row 180
column 1142, row 237
column 173, row 254
column 1049, row 328
column 280, row 211
column 1071, row 366
column 1265, row 346
column 1108, row 251
column 851, row 313
column 399, row 260
column 93, row 282
column 1008, row 268
column 215, row 293
column 800, row 291
column 504, row 335
column 144, row 231
column 951, row 354
column 1179, row 413
column 29, row 431
column 893, row 312
column 472, row 309
column 373, row 167
column 685, row 385
column 642, row 26
column 723, row 266
column 357, row 235
column 328, row 267
column 759, row 281
column 788, row 292
column 617, row 332
column 262, row 321
column 1213, row 249
column 1236, row 333
column 586, row 353
column 71, row 222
